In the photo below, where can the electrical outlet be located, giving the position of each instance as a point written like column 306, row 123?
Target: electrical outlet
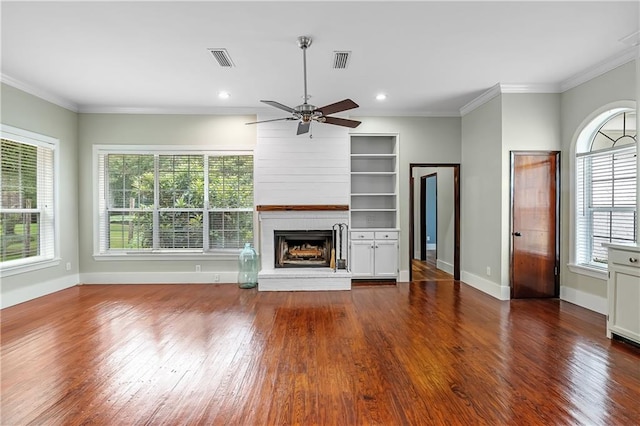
column 197, row 268
column 488, row 271
column 216, row 278
column 68, row 266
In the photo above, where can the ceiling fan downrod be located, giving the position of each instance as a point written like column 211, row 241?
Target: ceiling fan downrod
column 304, row 42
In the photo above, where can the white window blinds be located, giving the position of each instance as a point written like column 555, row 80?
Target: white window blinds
column 27, row 222
column 177, row 201
column 606, row 202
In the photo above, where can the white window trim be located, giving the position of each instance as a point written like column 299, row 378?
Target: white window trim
column 219, row 254
column 586, row 129
column 35, row 263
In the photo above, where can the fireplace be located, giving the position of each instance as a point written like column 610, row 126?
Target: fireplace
column 303, row 249
column 275, row 219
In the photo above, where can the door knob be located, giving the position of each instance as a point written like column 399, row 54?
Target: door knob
column 517, row 234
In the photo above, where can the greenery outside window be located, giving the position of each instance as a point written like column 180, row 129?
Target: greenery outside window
column 27, row 202
column 606, row 181
column 174, row 202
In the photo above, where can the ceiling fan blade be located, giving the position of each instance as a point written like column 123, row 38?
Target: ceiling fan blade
column 303, row 127
column 275, row 119
column 342, row 122
column 279, row 106
column 337, row 107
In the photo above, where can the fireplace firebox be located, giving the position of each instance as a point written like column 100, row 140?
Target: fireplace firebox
column 303, row 249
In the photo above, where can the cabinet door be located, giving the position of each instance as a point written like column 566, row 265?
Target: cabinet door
column 386, row 259
column 624, row 296
column 362, row 258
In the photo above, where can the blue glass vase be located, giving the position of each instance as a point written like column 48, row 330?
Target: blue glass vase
column 248, row 267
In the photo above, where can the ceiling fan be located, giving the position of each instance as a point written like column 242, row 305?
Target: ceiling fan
column 306, row 113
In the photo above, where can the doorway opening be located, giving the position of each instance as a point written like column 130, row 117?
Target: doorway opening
column 446, row 243
column 429, row 218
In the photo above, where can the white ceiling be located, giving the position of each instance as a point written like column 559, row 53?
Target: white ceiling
column 430, row 58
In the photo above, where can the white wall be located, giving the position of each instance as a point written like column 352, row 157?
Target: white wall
column 152, row 130
column 28, row 112
column 421, row 140
column 481, row 199
column 298, row 169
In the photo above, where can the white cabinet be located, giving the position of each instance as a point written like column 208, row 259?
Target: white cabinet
column 374, row 255
column 624, row 292
column 362, row 258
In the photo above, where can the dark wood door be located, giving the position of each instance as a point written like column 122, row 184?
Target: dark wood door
column 534, row 224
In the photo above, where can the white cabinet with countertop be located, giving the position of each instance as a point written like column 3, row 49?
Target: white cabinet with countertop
column 623, row 292
column 374, row 254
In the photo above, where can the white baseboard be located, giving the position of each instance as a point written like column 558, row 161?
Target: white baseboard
column 444, row 266
column 28, row 292
column 432, row 246
column 403, row 276
column 586, row 300
column 492, row 289
column 207, row 277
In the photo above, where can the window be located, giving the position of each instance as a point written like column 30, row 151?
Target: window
column 606, row 179
column 27, row 205
column 174, row 201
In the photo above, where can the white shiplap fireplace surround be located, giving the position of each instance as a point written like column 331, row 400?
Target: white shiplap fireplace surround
column 300, row 172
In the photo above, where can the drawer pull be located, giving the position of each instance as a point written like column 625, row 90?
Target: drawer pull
column 633, row 259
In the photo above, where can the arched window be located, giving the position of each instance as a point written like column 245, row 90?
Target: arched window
column 606, row 179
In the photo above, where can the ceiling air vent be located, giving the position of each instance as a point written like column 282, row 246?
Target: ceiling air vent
column 341, row 60
column 222, row 56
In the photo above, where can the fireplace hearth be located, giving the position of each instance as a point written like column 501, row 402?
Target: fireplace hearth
column 303, row 249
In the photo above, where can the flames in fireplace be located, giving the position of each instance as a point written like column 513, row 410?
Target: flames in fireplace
column 303, row 249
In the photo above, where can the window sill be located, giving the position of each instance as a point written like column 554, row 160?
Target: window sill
column 179, row 256
column 28, row 267
column 589, row 271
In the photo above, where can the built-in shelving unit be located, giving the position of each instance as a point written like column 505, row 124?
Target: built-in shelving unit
column 374, row 181
column 374, row 207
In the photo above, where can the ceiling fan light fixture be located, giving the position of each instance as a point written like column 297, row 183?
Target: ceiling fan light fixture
column 306, row 113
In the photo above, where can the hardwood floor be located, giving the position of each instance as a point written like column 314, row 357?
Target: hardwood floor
column 426, row 270
column 416, row 354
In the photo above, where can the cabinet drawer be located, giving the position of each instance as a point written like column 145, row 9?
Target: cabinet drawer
column 627, row 258
column 386, row 235
column 361, row 235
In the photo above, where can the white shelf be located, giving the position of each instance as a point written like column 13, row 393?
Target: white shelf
column 373, row 173
column 374, row 181
column 373, row 156
column 373, row 210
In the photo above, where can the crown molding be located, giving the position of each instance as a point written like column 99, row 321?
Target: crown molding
column 363, row 112
column 501, row 88
column 491, row 93
column 530, row 88
column 167, row 110
column 590, row 73
column 40, row 93
column 600, row 68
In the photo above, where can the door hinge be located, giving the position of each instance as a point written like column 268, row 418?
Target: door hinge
column 555, row 270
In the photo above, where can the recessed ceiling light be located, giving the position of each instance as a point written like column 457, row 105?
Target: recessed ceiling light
column 381, row 96
column 224, row 95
